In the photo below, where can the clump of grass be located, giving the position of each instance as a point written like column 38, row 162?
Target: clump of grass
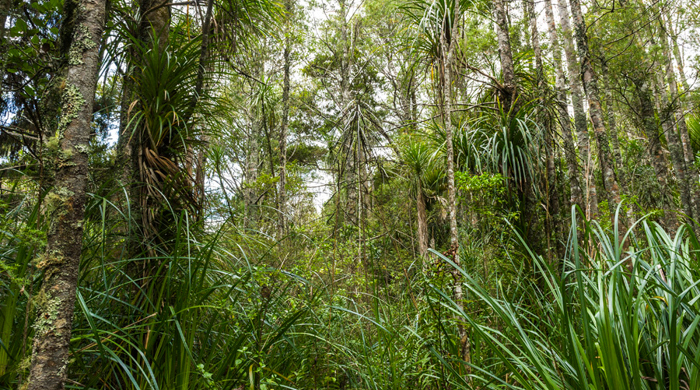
column 622, row 313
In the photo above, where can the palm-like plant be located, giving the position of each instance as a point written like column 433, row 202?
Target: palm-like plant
column 163, row 123
column 503, row 142
column 426, row 174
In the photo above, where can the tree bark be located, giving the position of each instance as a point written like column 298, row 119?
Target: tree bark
column 564, row 120
column 674, row 142
column 5, row 6
column 506, row 55
column 152, row 30
column 651, row 130
column 422, row 218
column 676, row 52
column 448, row 50
column 580, row 121
column 590, row 83
column 613, row 134
column 282, row 222
column 252, row 162
column 666, row 112
column 551, row 195
column 678, row 108
column 66, row 200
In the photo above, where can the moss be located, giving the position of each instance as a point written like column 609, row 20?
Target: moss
column 24, row 364
column 56, row 202
column 53, row 144
column 81, row 43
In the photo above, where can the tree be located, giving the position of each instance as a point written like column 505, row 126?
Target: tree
column 510, row 90
column 289, row 8
column 83, row 26
column 580, row 121
column 449, row 40
column 590, row 83
column 562, row 110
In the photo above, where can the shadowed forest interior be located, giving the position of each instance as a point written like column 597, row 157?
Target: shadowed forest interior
column 350, row 194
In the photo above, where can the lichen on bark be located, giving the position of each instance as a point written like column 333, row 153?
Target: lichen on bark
column 49, row 308
column 72, row 101
column 81, row 44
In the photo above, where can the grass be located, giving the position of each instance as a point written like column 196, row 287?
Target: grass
column 208, row 311
column 622, row 313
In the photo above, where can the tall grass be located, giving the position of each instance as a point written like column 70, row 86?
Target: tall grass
column 622, row 313
column 204, row 318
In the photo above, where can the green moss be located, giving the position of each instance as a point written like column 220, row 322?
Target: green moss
column 55, row 203
column 81, row 43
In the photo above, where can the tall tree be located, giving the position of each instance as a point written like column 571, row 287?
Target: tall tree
column 505, row 52
column 595, row 110
column 690, row 174
column 562, row 110
column 551, row 200
column 580, row 121
column 83, row 25
column 448, row 46
column 282, row 223
column 5, row 7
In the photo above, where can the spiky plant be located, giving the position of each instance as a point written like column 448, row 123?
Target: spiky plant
column 623, row 314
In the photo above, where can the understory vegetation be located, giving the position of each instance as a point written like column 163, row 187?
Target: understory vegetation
column 338, row 194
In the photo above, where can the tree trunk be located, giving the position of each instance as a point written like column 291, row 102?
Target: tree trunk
column 678, row 102
column 666, row 112
column 347, row 108
column 676, row 52
column 580, row 121
column 153, row 30
column 200, row 175
column 422, row 222
column 61, row 262
column 564, row 120
column 590, row 84
column 252, row 162
column 651, row 130
column 551, row 196
column 535, row 41
column 613, row 133
column 448, row 50
column 506, row 55
column 5, row 6
column 282, row 223
column 674, row 142
column 612, row 126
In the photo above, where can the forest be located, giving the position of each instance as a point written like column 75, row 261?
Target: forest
column 350, row 194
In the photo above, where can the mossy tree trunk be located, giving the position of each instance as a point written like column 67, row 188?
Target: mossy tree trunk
column 84, row 20
column 564, row 119
column 448, row 43
column 282, row 223
column 152, row 29
column 677, row 116
column 506, row 55
column 580, row 121
column 552, row 223
column 5, row 6
column 656, row 152
column 422, row 219
column 595, row 110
